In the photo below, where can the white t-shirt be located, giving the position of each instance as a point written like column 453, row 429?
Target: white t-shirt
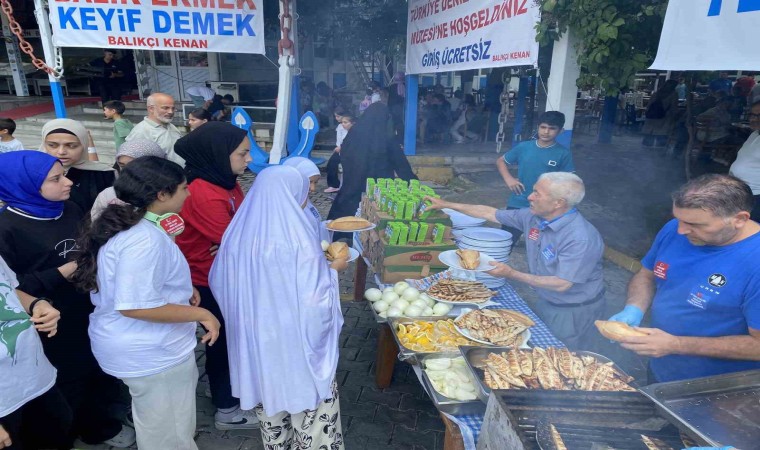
column 12, row 145
column 25, row 372
column 340, row 134
column 140, row 268
column 747, row 164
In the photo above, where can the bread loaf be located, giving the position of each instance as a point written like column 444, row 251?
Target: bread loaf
column 617, row 331
column 348, row 224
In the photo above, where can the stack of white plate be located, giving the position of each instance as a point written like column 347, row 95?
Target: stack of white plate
column 491, row 241
column 461, row 221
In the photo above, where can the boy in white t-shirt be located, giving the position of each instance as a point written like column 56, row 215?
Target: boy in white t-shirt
column 7, row 142
column 26, row 376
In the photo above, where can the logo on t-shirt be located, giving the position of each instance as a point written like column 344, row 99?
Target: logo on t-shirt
column 717, row 280
column 661, row 270
column 533, row 234
column 552, row 163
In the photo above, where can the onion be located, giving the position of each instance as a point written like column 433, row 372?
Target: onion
column 393, row 312
column 380, row 306
column 373, row 294
column 400, row 304
column 412, row 311
column 400, row 287
column 441, row 309
column 419, row 303
column 388, row 289
column 389, row 297
column 428, row 311
column 410, row 294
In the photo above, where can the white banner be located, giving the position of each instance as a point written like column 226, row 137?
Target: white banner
column 710, row 35
column 448, row 35
column 232, row 26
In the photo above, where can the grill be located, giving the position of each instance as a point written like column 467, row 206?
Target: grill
column 609, row 414
column 596, row 437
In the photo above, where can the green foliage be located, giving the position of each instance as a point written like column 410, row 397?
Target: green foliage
column 617, row 38
column 361, row 25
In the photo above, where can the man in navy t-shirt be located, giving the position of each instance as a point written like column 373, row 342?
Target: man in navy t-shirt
column 534, row 158
column 701, row 280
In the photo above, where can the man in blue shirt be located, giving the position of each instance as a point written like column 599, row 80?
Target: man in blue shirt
column 721, row 84
column 534, row 158
column 701, row 280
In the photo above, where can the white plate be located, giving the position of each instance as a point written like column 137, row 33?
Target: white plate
column 477, row 305
column 353, row 254
column 525, row 334
column 487, row 234
column 490, row 245
column 459, row 220
column 466, row 333
column 370, row 227
column 450, row 258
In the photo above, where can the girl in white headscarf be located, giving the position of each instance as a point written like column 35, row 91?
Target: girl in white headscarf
column 67, row 140
column 280, row 302
column 310, row 172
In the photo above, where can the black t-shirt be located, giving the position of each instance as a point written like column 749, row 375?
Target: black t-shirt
column 108, row 67
column 87, row 185
column 34, row 249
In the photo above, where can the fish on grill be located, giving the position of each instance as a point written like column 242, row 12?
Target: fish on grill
column 552, row 369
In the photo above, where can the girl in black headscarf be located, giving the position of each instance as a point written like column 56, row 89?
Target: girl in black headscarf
column 215, row 155
column 369, row 151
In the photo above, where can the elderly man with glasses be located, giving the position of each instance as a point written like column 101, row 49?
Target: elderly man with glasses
column 564, row 254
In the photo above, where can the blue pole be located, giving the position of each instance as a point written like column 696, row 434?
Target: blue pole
column 57, row 93
column 410, row 115
column 522, row 92
column 295, row 107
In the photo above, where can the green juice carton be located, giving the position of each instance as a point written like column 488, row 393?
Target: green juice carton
column 438, row 232
column 398, row 208
column 370, row 186
column 414, row 230
column 409, row 209
column 394, row 234
column 427, row 190
column 403, row 234
column 422, row 234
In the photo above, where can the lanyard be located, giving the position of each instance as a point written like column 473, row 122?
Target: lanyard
column 545, row 223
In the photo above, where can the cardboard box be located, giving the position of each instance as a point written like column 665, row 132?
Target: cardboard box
column 389, row 276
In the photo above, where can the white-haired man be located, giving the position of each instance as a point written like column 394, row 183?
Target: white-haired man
column 157, row 125
column 564, row 253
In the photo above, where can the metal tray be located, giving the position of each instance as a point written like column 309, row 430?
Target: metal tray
column 716, row 411
column 406, row 354
column 443, row 403
column 474, row 356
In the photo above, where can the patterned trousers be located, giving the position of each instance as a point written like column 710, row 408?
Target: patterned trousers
column 317, row 429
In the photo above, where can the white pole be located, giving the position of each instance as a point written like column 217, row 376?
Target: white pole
column 46, row 36
column 284, row 91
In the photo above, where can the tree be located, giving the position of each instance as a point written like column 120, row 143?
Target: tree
column 617, row 39
column 361, row 25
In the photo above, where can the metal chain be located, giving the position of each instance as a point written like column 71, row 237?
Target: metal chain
column 286, row 24
column 27, row 48
column 502, row 119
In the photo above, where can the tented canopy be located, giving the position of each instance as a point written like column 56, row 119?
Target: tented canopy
column 710, row 35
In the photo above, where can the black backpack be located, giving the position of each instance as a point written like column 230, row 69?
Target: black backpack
column 655, row 110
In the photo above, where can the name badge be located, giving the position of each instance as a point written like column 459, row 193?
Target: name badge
column 548, row 253
column 661, row 270
column 533, row 234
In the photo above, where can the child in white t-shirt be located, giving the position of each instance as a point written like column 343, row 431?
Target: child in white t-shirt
column 26, row 375
column 7, row 142
column 143, row 327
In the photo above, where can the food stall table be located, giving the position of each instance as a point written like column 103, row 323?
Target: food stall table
column 387, row 352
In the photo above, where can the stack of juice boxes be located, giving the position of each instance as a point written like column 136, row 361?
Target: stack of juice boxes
column 405, row 201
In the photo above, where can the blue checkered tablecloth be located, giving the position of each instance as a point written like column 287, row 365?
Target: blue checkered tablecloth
column 506, row 298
